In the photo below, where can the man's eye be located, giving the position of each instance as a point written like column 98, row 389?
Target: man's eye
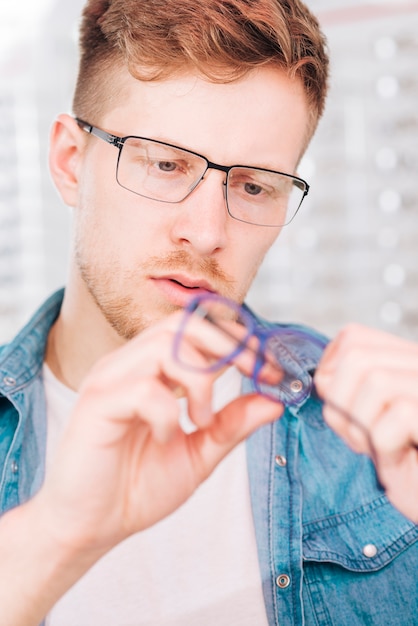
column 252, row 189
column 167, row 166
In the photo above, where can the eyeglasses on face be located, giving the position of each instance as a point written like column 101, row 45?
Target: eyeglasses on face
column 166, row 173
column 279, row 347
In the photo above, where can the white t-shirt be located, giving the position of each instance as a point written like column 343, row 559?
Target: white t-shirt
column 198, row 566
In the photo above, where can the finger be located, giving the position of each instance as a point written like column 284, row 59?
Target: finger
column 347, row 427
column 374, row 393
column 232, row 424
column 368, row 339
column 152, row 357
column 228, row 342
column 396, row 430
column 401, row 485
column 106, row 415
column 358, row 348
column 395, row 438
column 357, row 363
column 353, row 417
column 378, row 390
column 152, row 351
column 362, row 383
column 203, row 348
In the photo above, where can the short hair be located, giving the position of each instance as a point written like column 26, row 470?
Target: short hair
column 221, row 40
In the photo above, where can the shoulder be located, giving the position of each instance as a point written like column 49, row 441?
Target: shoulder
column 22, row 357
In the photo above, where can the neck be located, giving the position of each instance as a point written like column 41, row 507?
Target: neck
column 80, row 336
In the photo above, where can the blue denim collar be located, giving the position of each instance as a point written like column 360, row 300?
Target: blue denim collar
column 22, row 359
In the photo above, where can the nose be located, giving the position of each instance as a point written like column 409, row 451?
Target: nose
column 201, row 220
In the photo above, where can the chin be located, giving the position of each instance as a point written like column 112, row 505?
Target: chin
column 128, row 325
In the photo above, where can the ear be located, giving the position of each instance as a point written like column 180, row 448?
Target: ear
column 66, row 149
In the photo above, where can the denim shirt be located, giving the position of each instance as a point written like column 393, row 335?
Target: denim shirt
column 332, row 549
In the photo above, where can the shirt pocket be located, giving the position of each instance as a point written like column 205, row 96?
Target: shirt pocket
column 361, row 568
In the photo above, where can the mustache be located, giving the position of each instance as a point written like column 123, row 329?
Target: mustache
column 180, row 260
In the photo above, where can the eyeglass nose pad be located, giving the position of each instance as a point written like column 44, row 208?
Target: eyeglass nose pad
column 194, row 184
column 224, row 185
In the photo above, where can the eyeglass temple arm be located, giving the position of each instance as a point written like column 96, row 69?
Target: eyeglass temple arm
column 114, row 140
column 243, row 344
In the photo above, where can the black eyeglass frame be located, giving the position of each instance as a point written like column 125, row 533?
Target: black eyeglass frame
column 119, row 142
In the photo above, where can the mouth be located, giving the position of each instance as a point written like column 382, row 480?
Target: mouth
column 180, row 290
column 177, row 282
column 192, row 284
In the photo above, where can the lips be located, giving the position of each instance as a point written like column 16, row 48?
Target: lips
column 190, row 283
column 178, row 289
column 195, row 287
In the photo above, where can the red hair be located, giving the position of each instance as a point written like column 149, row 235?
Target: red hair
column 219, row 39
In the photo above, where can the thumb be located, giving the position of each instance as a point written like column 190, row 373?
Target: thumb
column 240, row 418
column 326, row 368
column 231, row 425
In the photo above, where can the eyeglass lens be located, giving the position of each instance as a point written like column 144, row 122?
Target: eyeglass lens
column 295, row 382
column 169, row 174
column 226, row 316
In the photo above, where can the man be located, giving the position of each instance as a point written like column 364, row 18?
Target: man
column 128, row 491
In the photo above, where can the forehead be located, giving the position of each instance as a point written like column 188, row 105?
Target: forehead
column 261, row 119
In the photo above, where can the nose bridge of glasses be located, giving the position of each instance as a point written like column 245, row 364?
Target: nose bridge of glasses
column 209, row 165
column 220, row 168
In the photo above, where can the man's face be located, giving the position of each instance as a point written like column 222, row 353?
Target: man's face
column 140, row 259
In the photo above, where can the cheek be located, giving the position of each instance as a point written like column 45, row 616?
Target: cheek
column 253, row 247
column 97, row 222
column 113, row 225
column 98, row 185
column 101, row 208
column 255, row 244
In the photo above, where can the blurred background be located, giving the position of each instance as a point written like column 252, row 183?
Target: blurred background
column 351, row 253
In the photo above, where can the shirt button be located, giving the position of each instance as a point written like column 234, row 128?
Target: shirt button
column 14, row 467
column 370, row 550
column 283, row 581
column 9, row 381
column 281, row 461
column 296, row 386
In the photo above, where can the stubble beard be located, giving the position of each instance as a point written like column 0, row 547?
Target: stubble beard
column 113, row 289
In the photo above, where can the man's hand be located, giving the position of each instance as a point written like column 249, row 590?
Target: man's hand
column 373, row 377
column 124, row 463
